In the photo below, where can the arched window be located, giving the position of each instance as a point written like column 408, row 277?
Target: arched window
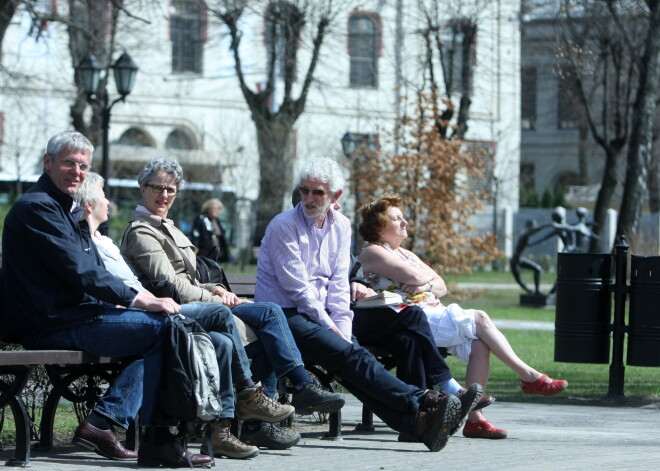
column 181, row 140
column 136, row 137
column 364, row 47
column 188, row 34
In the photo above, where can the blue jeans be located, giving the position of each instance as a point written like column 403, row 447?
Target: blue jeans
column 407, row 336
column 394, row 401
column 118, row 333
column 276, row 353
column 233, row 362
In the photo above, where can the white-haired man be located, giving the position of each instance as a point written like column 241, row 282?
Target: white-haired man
column 303, row 266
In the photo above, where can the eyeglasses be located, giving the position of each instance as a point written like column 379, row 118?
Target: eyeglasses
column 70, row 163
column 160, row 189
column 305, row 191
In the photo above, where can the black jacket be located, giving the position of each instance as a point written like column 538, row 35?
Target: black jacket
column 52, row 277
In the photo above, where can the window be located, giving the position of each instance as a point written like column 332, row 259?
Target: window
column 136, row 137
column 181, row 140
column 528, row 98
column 283, row 24
column 458, row 55
column 364, row 49
column 188, row 34
column 569, row 108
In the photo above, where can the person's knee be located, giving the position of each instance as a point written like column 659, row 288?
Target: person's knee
column 482, row 319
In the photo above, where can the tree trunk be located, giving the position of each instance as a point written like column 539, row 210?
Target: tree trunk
column 641, row 141
column 605, row 193
column 275, row 170
column 7, row 10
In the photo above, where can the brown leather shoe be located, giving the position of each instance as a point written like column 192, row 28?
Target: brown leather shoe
column 170, row 455
column 103, row 442
column 484, row 401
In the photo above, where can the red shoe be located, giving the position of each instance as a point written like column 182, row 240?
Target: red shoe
column 483, row 429
column 540, row 386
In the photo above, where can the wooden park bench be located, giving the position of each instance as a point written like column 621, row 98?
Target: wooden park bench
column 243, row 286
column 75, row 376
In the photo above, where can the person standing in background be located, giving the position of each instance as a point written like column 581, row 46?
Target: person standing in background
column 208, row 234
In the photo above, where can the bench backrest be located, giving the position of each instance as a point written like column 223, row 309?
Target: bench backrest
column 242, row 284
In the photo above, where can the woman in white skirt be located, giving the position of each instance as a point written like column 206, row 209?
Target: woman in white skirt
column 468, row 334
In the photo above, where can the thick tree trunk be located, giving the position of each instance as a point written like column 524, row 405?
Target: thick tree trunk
column 641, row 141
column 275, row 170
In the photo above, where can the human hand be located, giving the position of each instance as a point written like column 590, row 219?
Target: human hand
column 359, row 291
column 229, row 299
column 413, row 289
column 165, row 306
column 338, row 332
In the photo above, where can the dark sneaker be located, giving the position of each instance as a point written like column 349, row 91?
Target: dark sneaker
column 271, row 436
column 313, row 398
column 469, row 399
column 226, row 444
column 252, row 403
column 438, row 415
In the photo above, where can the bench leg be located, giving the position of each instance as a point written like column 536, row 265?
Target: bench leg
column 367, row 424
column 334, row 430
column 48, row 420
column 23, row 434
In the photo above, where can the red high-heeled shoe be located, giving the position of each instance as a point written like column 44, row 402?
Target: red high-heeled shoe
column 540, row 386
column 483, row 429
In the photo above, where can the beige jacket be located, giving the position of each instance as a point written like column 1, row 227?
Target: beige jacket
column 153, row 255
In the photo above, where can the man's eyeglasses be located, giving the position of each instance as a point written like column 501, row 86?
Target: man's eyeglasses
column 305, row 191
column 160, row 189
column 70, row 163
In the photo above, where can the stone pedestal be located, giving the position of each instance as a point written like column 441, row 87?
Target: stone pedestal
column 536, row 300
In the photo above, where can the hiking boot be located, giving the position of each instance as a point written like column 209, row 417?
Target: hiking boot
column 226, row 444
column 313, row 398
column 469, row 398
column 270, row 436
column 252, row 403
column 439, row 414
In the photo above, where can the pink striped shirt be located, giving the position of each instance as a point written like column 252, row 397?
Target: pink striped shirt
column 306, row 267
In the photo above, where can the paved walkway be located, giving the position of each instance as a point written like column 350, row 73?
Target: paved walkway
column 541, row 437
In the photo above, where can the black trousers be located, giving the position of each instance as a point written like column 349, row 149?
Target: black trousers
column 406, row 335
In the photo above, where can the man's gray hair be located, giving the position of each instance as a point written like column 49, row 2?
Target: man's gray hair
column 69, row 141
column 89, row 190
column 324, row 169
column 157, row 164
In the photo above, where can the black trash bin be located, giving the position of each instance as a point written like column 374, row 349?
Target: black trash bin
column 583, row 307
column 644, row 314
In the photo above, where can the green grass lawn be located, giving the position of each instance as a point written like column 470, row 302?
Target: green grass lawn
column 588, row 383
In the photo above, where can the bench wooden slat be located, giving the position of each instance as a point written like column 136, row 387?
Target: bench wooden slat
column 242, row 284
column 50, row 357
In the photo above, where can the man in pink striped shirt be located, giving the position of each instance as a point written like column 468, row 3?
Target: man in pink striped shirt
column 303, row 266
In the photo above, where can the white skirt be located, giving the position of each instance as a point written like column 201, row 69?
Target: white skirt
column 453, row 328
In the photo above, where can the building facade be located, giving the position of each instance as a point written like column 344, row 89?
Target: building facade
column 187, row 102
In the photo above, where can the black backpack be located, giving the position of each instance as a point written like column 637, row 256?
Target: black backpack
column 209, row 271
column 190, row 382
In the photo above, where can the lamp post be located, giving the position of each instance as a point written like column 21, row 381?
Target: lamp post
column 89, row 71
column 354, row 146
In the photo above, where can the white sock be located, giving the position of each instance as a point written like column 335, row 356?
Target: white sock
column 451, row 386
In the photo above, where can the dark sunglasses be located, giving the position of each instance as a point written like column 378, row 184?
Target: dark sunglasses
column 305, row 191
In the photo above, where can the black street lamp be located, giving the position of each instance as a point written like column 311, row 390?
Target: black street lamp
column 89, row 71
column 355, row 146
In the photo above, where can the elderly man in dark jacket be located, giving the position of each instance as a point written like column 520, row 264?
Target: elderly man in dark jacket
column 59, row 297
